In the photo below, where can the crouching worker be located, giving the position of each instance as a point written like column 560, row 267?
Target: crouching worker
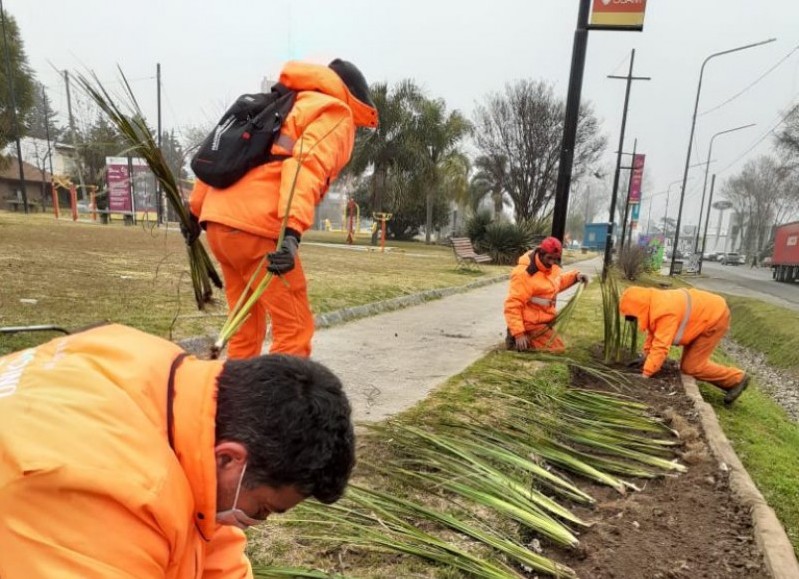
column 121, row 456
column 530, row 306
column 691, row 318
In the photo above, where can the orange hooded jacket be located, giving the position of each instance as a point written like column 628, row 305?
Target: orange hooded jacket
column 318, row 133
column 89, row 485
column 531, row 300
column 670, row 317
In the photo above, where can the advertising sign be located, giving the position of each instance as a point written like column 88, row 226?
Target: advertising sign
column 636, row 210
column 126, row 195
column 638, row 177
column 625, row 14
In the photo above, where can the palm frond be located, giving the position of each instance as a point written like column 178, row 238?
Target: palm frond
column 129, row 120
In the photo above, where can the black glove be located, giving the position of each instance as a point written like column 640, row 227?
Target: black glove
column 191, row 231
column 282, row 260
column 582, row 278
column 637, row 364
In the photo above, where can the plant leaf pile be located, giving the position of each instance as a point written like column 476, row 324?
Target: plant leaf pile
column 464, row 488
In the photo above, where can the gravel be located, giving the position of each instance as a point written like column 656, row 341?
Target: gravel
column 781, row 385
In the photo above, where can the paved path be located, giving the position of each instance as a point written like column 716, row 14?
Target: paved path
column 390, row 361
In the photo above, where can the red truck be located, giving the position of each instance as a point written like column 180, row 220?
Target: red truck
column 785, row 262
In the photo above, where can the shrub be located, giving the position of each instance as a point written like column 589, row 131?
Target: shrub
column 476, row 227
column 632, row 261
column 506, row 242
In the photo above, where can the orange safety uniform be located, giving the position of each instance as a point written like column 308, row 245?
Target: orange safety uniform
column 244, row 220
column 694, row 319
column 90, row 487
column 531, row 303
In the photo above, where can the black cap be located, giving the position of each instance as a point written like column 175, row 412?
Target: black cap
column 354, row 79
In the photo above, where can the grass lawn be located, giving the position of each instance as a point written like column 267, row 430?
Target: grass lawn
column 75, row 273
column 764, row 437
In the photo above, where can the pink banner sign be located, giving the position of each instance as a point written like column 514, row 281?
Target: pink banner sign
column 638, row 177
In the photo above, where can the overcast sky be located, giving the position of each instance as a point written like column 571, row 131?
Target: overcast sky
column 212, row 51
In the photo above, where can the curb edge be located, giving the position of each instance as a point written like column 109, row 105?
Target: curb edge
column 771, row 537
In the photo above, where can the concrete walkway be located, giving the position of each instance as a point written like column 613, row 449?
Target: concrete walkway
column 391, row 361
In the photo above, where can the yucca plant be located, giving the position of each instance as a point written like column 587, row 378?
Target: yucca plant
column 127, row 117
column 620, row 337
column 506, row 242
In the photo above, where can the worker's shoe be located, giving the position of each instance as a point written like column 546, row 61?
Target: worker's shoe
column 736, row 391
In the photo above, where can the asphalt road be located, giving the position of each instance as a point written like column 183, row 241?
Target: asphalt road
column 741, row 280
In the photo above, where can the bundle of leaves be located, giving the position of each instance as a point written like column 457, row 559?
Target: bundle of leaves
column 506, row 242
column 632, row 261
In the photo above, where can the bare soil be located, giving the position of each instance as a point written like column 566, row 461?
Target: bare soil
column 685, row 526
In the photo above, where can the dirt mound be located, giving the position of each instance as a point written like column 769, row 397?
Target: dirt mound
column 685, row 526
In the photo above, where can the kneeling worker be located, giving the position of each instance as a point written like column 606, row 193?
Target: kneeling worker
column 694, row 319
column 530, row 306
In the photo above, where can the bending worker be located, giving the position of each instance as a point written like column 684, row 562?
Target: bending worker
column 121, row 456
column 243, row 221
column 530, row 306
column 691, row 318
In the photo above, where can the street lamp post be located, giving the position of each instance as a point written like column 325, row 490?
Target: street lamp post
column 704, row 188
column 691, row 138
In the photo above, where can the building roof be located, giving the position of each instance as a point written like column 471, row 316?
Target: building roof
column 9, row 171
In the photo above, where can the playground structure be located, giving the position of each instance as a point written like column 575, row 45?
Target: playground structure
column 382, row 218
column 64, row 182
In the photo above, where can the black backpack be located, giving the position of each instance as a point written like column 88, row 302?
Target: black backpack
column 243, row 138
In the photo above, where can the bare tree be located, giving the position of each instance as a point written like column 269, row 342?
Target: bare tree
column 525, row 125
column 763, row 194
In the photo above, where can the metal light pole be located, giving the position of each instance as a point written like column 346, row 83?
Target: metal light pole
column 704, row 188
column 707, row 220
column 691, row 138
column 579, row 50
column 627, row 198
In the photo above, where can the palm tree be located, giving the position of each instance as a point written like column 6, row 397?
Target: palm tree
column 491, row 179
column 438, row 137
column 388, row 146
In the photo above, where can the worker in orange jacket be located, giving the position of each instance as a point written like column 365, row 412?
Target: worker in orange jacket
column 243, row 221
column 121, row 456
column 530, row 307
column 692, row 318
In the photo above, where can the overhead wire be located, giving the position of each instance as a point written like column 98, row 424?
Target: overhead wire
column 752, row 84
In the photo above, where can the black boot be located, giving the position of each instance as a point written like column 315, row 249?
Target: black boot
column 736, row 391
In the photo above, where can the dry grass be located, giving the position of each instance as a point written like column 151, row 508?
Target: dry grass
column 81, row 273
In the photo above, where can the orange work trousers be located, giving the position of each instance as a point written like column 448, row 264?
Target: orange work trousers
column 696, row 357
column 545, row 339
column 240, row 254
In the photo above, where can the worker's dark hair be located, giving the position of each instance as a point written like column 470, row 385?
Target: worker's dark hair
column 294, row 419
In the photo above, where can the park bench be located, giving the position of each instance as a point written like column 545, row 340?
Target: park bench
column 464, row 252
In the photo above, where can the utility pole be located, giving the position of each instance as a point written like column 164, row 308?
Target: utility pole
column 609, row 236
column 73, row 133
column 13, row 102
column 47, row 130
column 162, row 217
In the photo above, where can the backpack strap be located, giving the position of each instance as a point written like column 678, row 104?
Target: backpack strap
column 170, row 399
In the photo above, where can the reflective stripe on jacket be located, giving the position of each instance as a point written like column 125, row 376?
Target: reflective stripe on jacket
column 90, row 487
column 532, row 299
column 318, row 134
column 670, row 317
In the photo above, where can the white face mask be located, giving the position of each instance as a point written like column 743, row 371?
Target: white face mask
column 235, row 517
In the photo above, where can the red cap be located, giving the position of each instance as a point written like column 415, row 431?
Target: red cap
column 552, row 246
